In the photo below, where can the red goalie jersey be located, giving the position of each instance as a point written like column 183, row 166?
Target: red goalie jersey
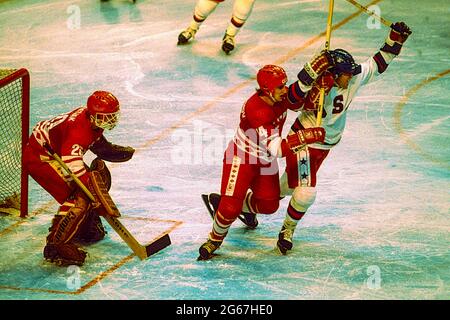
column 70, row 135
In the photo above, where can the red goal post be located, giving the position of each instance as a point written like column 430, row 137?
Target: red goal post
column 14, row 131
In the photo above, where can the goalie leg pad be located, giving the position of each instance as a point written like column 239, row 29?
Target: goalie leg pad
column 100, row 166
column 64, row 254
column 91, row 230
column 66, row 224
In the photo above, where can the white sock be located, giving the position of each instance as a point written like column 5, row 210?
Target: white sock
column 202, row 10
column 241, row 11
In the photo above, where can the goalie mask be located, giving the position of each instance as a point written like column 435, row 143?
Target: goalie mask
column 103, row 108
column 344, row 63
column 270, row 77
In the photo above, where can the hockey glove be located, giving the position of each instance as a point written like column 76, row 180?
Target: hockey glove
column 303, row 137
column 315, row 67
column 399, row 32
column 325, row 81
column 397, row 36
column 111, row 152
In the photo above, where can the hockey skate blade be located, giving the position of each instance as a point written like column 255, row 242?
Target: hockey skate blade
column 157, row 245
column 209, row 258
column 249, row 227
column 205, row 199
column 241, row 217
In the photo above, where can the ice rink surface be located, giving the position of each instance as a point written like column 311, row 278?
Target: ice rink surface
column 379, row 228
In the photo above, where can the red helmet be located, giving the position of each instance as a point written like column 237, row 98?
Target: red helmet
column 270, row 77
column 103, row 108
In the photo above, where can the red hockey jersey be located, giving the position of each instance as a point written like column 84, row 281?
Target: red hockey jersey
column 258, row 137
column 70, row 135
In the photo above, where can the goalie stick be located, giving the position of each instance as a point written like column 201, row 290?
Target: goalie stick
column 142, row 251
column 211, row 210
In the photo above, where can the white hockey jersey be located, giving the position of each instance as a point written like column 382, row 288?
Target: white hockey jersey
column 336, row 104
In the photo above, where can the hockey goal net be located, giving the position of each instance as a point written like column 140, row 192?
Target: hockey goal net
column 14, row 127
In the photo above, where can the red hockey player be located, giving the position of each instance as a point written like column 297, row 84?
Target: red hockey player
column 241, row 11
column 342, row 82
column 250, row 180
column 71, row 135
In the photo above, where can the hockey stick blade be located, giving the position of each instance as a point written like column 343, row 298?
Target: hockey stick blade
column 158, row 245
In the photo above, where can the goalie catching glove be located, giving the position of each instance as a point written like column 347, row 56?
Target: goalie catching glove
column 108, row 151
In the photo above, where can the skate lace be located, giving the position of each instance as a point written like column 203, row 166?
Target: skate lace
column 287, row 234
column 189, row 33
column 211, row 246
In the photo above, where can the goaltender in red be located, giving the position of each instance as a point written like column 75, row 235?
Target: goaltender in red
column 71, row 135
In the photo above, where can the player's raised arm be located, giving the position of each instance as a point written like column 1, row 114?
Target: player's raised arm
column 378, row 63
column 393, row 45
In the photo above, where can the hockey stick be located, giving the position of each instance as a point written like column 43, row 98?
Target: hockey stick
column 211, row 211
column 327, row 47
column 141, row 251
column 371, row 13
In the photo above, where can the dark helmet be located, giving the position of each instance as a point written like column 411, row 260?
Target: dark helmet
column 343, row 62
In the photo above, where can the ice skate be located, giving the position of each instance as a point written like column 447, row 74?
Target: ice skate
column 186, row 35
column 64, row 254
column 228, row 43
column 91, row 231
column 284, row 242
column 211, row 201
column 207, row 249
column 249, row 219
